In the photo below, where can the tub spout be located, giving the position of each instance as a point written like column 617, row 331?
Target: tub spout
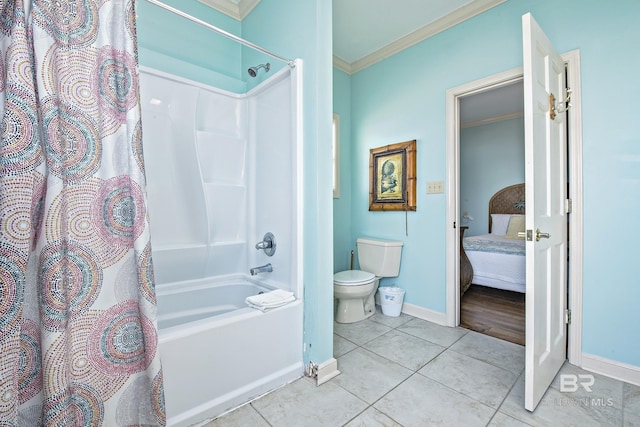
column 267, row 268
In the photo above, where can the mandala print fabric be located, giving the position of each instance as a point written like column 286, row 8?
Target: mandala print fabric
column 78, row 333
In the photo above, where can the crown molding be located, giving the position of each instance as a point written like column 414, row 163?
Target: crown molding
column 230, row 8
column 457, row 16
column 342, row 65
column 490, row 120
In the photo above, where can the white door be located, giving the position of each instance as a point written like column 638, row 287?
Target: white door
column 546, row 212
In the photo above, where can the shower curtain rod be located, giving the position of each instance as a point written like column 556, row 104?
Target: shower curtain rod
column 240, row 40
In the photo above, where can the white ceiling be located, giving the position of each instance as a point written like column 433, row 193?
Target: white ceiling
column 506, row 102
column 368, row 31
column 361, row 27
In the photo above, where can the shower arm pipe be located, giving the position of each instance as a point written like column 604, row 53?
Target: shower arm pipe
column 220, row 31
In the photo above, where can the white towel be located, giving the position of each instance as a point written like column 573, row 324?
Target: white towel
column 270, row 300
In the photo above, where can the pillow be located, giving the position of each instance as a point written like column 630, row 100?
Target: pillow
column 516, row 224
column 499, row 224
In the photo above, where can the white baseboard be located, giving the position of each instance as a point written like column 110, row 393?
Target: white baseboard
column 327, row 370
column 611, row 368
column 425, row 314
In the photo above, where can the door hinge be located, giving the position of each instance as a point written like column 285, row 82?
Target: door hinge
column 569, row 205
column 567, row 316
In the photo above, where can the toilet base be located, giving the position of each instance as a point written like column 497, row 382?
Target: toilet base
column 353, row 310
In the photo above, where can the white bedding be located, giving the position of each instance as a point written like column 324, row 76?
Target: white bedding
column 504, row 268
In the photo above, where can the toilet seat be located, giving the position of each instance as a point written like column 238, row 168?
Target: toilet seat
column 353, row 278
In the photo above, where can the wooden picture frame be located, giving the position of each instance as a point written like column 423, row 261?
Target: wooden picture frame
column 392, row 177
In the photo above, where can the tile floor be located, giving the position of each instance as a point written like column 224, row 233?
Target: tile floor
column 404, row 371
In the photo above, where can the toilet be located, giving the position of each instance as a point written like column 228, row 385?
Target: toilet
column 354, row 290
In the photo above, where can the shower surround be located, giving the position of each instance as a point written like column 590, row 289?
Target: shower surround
column 222, row 170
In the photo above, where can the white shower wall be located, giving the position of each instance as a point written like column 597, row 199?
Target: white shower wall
column 272, row 189
column 222, row 170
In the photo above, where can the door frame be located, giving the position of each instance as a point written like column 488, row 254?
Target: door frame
column 574, row 154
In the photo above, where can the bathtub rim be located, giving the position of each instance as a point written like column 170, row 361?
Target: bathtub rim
column 213, row 281
column 190, row 328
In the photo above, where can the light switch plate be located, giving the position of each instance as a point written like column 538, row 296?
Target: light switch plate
column 435, row 187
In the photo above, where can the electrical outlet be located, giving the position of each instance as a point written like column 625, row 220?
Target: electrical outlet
column 435, row 187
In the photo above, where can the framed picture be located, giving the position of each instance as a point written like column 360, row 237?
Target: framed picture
column 392, row 177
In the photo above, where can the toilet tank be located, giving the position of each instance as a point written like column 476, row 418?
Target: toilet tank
column 380, row 257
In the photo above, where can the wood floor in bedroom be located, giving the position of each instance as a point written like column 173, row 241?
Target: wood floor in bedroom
column 494, row 312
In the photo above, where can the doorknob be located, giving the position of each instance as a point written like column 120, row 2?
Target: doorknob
column 529, row 235
column 540, row 235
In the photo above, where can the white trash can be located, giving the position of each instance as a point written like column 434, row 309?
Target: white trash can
column 391, row 300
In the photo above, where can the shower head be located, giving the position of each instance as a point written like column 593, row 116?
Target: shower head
column 253, row 71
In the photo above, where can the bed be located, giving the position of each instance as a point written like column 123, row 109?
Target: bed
column 498, row 258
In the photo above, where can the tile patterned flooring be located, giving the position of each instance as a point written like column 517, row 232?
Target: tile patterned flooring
column 404, row 371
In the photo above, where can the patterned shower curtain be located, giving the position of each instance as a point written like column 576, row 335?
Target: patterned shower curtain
column 78, row 335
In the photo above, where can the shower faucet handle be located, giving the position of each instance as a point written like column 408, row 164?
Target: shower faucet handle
column 268, row 244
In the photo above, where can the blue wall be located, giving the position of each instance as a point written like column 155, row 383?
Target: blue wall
column 491, row 158
column 173, row 44
column 293, row 29
column 342, row 242
column 302, row 29
column 403, row 98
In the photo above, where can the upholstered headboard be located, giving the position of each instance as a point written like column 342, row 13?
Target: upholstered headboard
column 509, row 200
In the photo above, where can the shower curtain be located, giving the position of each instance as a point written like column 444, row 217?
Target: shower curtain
column 78, row 335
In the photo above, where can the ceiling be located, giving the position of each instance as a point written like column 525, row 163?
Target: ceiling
column 368, row 31
column 503, row 103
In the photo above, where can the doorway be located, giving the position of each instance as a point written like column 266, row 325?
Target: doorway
column 491, row 129
column 454, row 214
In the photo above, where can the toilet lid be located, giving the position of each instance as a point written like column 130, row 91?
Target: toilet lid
column 353, row 277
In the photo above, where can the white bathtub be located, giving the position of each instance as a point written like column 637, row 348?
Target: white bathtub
column 216, row 352
column 211, row 158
